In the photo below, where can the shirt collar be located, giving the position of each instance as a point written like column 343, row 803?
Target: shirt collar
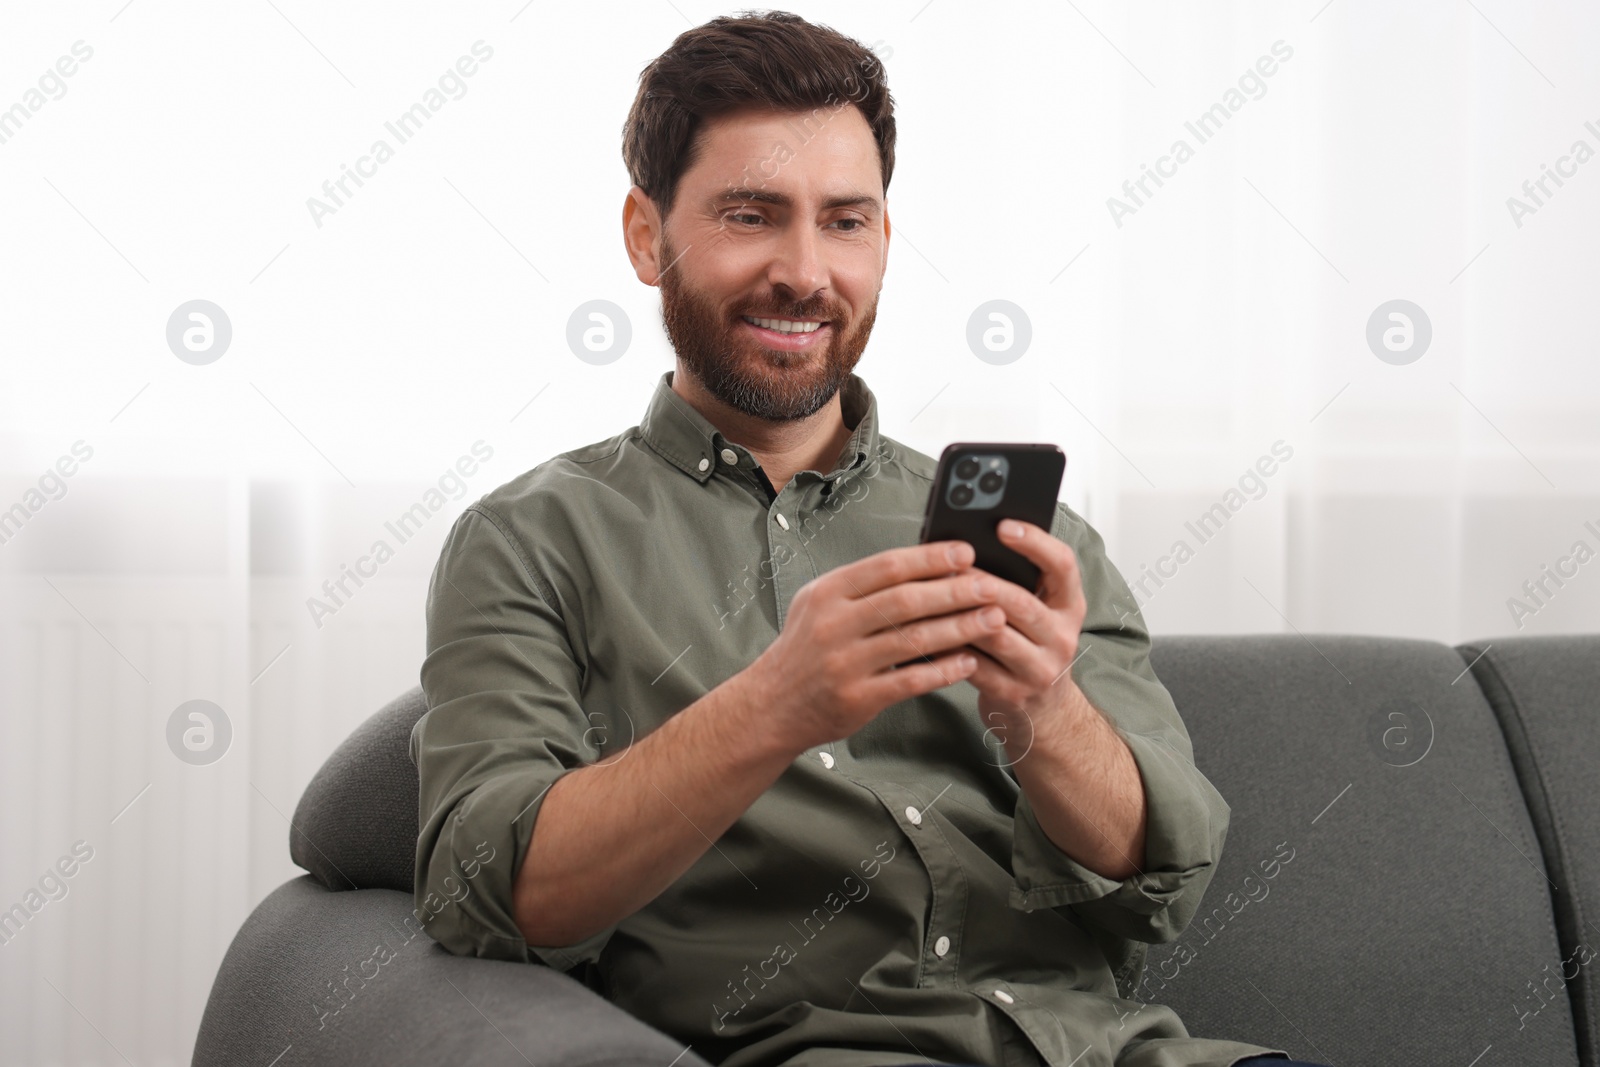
column 687, row 439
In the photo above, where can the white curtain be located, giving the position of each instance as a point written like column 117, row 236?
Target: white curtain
column 1199, row 347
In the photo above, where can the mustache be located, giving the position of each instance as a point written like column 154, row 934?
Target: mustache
column 801, row 310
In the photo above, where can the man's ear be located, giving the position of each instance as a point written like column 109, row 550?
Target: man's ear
column 886, row 233
column 641, row 235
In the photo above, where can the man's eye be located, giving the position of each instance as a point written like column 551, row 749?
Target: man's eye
column 745, row 217
column 855, row 224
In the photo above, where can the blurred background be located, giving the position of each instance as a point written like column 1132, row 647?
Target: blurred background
column 1342, row 352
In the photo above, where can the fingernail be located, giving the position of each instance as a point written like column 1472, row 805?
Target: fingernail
column 1010, row 528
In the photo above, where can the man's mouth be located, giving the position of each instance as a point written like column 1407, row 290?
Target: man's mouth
column 784, row 325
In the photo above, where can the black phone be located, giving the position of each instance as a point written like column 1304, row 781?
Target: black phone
column 980, row 483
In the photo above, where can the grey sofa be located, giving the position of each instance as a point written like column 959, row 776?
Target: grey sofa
column 1411, row 877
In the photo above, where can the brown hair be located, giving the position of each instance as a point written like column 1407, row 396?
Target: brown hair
column 774, row 60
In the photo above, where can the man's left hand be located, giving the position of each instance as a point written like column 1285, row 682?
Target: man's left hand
column 1024, row 676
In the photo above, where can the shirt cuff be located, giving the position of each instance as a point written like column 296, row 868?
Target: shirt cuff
column 1186, row 823
column 467, row 875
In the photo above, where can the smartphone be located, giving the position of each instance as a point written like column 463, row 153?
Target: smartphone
column 980, row 483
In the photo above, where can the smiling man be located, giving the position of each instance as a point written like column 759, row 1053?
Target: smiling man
column 746, row 758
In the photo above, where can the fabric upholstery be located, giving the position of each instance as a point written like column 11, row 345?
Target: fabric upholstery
column 405, row 1000
column 356, row 824
column 1415, row 907
column 1546, row 692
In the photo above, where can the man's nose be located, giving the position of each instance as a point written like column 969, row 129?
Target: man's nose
column 799, row 263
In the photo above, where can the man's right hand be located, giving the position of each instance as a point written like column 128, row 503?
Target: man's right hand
column 833, row 667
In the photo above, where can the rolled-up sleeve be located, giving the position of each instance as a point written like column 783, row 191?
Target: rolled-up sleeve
column 504, row 723
column 1186, row 819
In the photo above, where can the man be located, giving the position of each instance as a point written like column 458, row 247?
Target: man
column 709, row 730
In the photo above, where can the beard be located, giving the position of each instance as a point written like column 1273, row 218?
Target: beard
column 735, row 368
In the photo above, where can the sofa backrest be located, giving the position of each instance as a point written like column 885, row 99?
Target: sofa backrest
column 1546, row 693
column 1415, row 910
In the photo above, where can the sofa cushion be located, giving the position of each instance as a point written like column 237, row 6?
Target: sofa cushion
column 1546, row 693
column 356, row 824
column 1381, row 897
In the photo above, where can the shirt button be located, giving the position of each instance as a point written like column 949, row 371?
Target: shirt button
column 915, row 816
column 704, row 463
column 826, row 758
column 1003, row 997
column 729, row 456
column 783, row 521
column 941, row 946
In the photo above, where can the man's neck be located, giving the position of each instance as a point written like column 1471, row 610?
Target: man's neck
column 782, row 448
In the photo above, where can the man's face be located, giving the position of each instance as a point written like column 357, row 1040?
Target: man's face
column 773, row 256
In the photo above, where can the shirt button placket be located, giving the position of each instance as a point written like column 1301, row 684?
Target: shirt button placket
column 949, row 895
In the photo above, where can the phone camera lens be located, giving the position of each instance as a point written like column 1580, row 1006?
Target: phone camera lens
column 961, row 495
column 991, row 482
column 967, row 469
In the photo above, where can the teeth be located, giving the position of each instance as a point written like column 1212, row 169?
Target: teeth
column 784, row 325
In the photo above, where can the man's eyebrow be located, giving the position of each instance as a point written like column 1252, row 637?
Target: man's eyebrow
column 764, row 196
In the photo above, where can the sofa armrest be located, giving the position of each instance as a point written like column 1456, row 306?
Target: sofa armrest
column 317, row 977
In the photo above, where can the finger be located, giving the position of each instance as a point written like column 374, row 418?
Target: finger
column 910, row 601
column 1061, row 584
column 928, row 637
column 890, row 685
column 896, row 565
column 991, row 678
column 1032, row 616
column 1024, row 662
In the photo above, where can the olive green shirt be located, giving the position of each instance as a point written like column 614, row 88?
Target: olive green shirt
column 891, row 898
